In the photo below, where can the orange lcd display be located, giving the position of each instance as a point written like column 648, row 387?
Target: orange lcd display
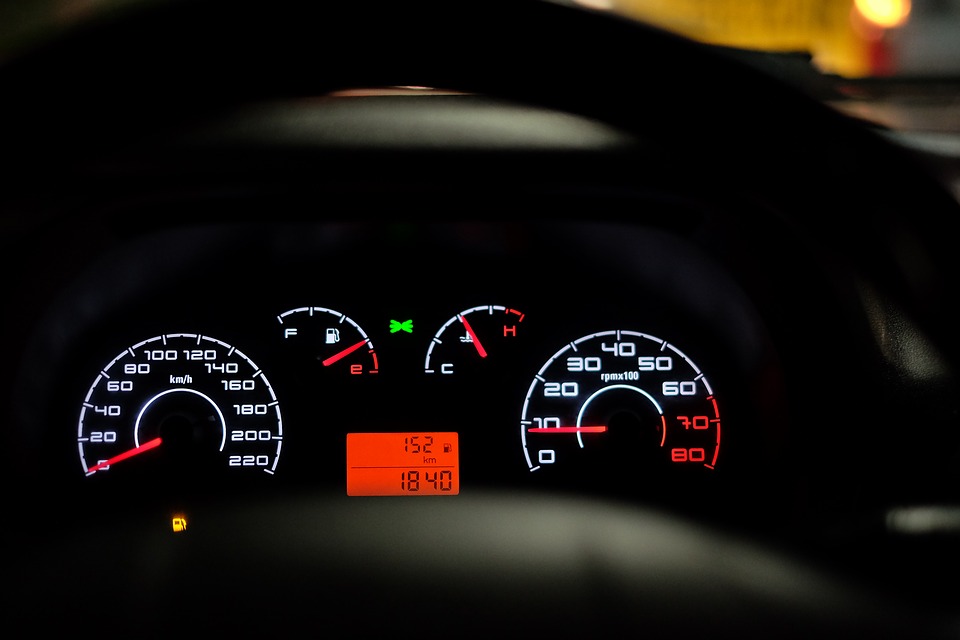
column 403, row 464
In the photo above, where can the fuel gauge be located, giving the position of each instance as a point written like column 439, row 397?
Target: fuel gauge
column 329, row 341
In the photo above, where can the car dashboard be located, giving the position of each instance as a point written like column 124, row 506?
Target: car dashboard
column 288, row 341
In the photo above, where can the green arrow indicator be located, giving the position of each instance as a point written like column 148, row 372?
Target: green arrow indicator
column 406, row 325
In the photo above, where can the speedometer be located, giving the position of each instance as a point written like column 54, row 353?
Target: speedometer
column 616, row 406
column 183, row 403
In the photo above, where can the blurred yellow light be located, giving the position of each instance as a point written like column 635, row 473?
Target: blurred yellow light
column 179, row 523
column 822, row 28
column 884, row 13
column 600, row 5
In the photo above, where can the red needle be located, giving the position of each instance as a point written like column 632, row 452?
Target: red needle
column 473, row 336
column 146, row 446
column 567, row 429
column 337, row 356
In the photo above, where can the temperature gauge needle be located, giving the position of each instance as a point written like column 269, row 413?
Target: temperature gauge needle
column 594, row 429
column 473, row 337
column 146, row 446
column 343, row 354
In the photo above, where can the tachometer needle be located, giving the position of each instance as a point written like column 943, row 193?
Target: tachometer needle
column 343, row 354
column 473, row 337
column 594, row 429
column 146, row 446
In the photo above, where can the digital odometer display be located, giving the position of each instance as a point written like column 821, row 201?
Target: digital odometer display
column 403, row 464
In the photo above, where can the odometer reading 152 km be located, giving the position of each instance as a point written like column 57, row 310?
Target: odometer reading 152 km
column 403, row 464
column 617, row 406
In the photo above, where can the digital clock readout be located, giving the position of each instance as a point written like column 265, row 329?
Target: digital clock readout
column 403, row 464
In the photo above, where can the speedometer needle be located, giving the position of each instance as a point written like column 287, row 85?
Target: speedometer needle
column 473, row 337
column 595, row 429
column 343, row 354
column 146, row 446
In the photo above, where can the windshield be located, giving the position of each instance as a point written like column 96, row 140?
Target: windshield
column 849, row 38
column 892, row 62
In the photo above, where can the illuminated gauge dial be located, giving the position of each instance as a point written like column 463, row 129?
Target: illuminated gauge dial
column 617, row 406
column 182, row 403
column 472, row 337
column 328, row 341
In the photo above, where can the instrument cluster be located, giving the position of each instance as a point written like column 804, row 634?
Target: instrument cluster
column 410, row 360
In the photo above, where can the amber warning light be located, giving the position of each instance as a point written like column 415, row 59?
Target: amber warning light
column 403, row 464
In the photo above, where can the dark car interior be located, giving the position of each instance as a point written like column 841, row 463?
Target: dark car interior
column 672, row 342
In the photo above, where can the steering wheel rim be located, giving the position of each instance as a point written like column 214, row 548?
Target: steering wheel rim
column 484, row 49
column 195, row 58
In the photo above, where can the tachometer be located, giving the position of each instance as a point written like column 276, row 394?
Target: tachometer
column 615, row 406
column 181, row 402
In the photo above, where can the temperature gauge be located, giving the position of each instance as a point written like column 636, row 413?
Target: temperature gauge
column 472, row 338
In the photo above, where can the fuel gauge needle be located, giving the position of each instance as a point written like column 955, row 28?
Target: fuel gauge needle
column 343, row 354
column 146, row 446
column 592, row 429
column 473, row 337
